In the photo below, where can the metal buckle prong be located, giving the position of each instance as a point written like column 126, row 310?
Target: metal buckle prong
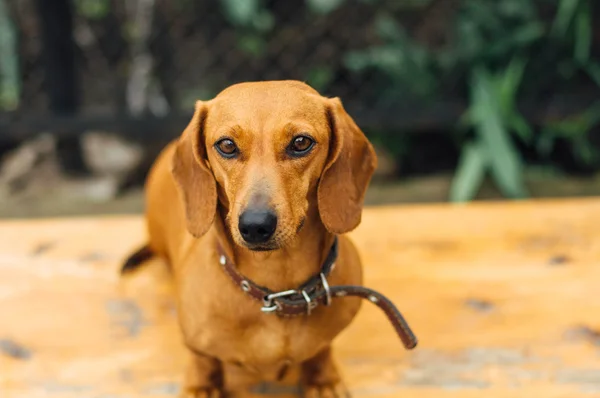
column 268, row 305
column 309, row 303
column 327, row 290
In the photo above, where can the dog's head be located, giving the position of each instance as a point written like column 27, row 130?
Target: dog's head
column 270, row 152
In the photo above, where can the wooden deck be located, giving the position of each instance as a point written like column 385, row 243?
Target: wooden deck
column 505, row 300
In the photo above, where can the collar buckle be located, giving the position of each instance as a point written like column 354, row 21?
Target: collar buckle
column 269, row 303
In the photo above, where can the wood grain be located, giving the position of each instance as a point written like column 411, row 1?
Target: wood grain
column 504, row 298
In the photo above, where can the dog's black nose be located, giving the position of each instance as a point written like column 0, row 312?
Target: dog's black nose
column 257, row 226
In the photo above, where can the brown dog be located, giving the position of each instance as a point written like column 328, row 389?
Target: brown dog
column 267, row 174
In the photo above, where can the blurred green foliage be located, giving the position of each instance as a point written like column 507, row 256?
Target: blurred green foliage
column 10, row 83
column 494, row 118
column 92, row 9
column 496, row 53
column 493, row 55
column 493, row 113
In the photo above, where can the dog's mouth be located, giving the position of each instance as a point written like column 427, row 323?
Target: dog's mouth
column 262, row 248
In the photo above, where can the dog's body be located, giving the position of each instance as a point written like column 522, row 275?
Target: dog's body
column 200, row 197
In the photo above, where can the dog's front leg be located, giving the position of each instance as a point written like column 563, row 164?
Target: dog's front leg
column 203, row 378
column 321, row 379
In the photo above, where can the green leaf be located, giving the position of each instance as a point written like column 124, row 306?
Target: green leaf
column 584, row 150
column 241, row 12
column 564, row 16
column 583, row 34
column 519, row 38
column 576, row 126
column 513, row 75
column 469, row 174
column 324, row 6
column 576, row 129
column 504, row 159
column 517, row 9
column 521, row 127
column 10, row 77
column 509, row 83
column 93, row 9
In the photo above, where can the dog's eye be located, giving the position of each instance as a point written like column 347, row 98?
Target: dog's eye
column 300, row 145
column 226, row 148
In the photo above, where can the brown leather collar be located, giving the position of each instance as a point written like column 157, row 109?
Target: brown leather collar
column 316, row 291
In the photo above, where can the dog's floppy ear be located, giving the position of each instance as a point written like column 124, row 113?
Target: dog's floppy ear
column 194, row 180
column 347, row 173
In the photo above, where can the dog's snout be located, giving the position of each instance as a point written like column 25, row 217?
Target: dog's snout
column 257, row 226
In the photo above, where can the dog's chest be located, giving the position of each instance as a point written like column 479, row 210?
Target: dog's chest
column 240, row 333
column 220, row 320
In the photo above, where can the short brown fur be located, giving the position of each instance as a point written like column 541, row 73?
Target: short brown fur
column 194, row 198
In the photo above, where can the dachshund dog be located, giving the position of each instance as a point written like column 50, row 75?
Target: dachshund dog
column 267, row 177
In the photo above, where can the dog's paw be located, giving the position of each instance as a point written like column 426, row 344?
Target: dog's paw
column 202, row 393
column 327, row 391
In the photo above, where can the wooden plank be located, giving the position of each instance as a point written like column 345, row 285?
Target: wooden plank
column 503, row 297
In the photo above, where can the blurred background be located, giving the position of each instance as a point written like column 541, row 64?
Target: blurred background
column 463, row 99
